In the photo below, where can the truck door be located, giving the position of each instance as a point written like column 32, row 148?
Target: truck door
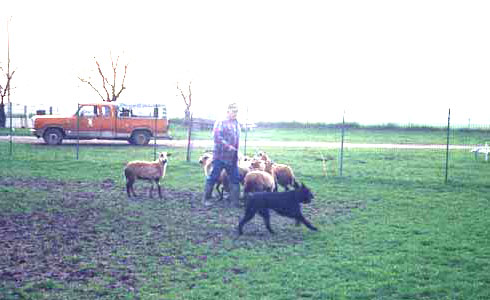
column 106, row 122
column 89, row 123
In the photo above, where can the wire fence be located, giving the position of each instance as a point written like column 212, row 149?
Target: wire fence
column 346, row 148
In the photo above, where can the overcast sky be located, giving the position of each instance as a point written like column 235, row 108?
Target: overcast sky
column 379, row 61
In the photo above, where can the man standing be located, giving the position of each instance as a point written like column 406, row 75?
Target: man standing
column 226, row 135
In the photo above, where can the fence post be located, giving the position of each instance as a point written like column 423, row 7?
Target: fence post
column 155, row 115
column 447, row 144
column 25, row 117
column 342, row 145
column 78, row 129
column 11, row 131
column 189, row 134
column 246, row 134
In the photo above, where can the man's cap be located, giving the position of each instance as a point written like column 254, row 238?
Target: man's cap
column 233, row 107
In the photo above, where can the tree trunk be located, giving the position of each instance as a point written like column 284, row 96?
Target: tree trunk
column 3, row 117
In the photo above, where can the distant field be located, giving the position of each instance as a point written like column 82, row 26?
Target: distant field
column 389, row 229
column 354, row 135
column 374, row 135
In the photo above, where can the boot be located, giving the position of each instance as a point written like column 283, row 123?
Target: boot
column 235, row 195
column 208, row 191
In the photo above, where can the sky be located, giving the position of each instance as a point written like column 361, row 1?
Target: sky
column 372, row 62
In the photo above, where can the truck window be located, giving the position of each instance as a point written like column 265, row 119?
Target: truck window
column 88, row 111
column 106, row 111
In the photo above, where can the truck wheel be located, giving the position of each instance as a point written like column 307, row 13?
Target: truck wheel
column 140, row 138
column 53, row 136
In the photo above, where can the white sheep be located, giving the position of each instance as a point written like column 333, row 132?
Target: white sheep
column 152, row 171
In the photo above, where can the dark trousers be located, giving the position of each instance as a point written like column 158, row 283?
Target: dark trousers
column 231, row 169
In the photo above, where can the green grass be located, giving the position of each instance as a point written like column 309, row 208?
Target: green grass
column 389, row 229
column 357, row 134
column 360, row 135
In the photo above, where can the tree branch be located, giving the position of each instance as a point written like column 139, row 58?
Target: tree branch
column 104, row 81
column 89, row 83
column 122, row 84
column 187, row 104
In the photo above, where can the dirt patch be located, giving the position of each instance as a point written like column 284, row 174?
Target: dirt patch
column 89, row 230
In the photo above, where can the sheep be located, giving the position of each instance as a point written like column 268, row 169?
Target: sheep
column 283, row 174
column 286, row 204
column 257, row 164
column 146, row 170
column 263, row 156
column 223, row 184
column 206, row 161
column 258, row 181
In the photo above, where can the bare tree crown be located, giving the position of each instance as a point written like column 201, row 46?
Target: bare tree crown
column 109, row 87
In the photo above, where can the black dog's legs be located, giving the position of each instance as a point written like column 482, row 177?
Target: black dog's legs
column 249, row 214
column 267, row 219
column 302, row 219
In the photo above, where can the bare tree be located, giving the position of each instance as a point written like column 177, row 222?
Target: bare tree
column 109, row 87
column 5, row 90
column 188, row 117
column 187, row 101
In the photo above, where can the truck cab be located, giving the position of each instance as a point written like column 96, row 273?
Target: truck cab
column 135, row 123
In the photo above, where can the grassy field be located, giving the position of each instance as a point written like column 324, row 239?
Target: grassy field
column 389, row 229
column 377, row 135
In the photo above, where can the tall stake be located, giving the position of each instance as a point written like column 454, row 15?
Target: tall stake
column 246, row 134
column 447, row 143
column 189, row 133
column 78, row 130
column 342, row 145
column 8, row 85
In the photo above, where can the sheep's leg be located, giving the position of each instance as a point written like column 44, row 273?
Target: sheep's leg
column 157, row 181
column 220, row 191
column 151, row 189
column 249, row 214
column 267, row 219
column 302, row 219
column 129, row 187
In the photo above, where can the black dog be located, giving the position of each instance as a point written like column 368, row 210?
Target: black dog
column 284, row 203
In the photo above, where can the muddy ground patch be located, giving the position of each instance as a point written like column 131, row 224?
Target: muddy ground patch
column 75, row 231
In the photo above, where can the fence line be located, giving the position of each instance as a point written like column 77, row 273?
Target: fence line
column 470, row 138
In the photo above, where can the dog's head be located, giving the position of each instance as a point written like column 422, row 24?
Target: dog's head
column 304, row 195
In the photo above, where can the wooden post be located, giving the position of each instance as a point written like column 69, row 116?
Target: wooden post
column 11, row 130
column 342, row 146
column 78, row 129
column 447, row 144
column 189, row 135
column 25, row 117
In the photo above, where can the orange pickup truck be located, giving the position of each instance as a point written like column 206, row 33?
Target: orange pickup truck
column 137, row 124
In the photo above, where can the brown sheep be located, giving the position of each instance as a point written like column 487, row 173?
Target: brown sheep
column 283, row 174
column 263, row 156
column 258, row 181
column 206, row 161
column 257, row 164
column 146, row 170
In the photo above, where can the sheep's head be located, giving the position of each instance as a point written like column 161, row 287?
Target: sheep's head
column 257, row 164
column 204, row 158
column 304, row 193
column 263, row 156
column 268, row 166
column 163, row 157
